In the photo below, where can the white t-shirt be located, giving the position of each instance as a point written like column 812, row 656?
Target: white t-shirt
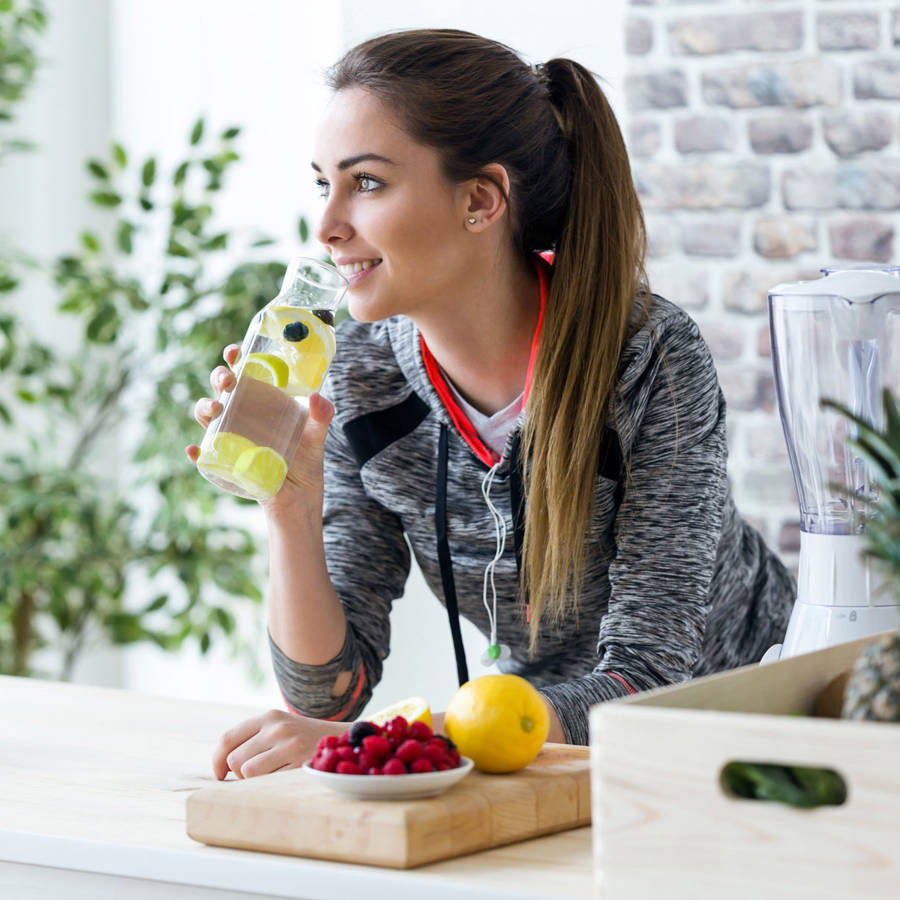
column 493, row 430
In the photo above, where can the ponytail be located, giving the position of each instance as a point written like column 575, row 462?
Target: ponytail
column 598, row 273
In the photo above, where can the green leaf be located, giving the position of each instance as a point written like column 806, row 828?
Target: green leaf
column 218, row 242
column 197, row 132
column 7, row 283
column 181, row 173
column 97, row 169
column 148, row 172
column 104, row 325
column 263, row 242
column 229, row 134
column 205, row 643
column 5, row 414
column 120, row 156
column 174, row 248
column 5, row 5
column 90, row 242
column 106, row 198
column 26, row 396
column 303, row 228
column 146, row 203
column 156, row 603
column 124, row 236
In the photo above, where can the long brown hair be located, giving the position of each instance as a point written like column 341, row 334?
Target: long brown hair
column 477, row 102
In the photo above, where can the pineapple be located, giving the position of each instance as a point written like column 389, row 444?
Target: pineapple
column 873, row 690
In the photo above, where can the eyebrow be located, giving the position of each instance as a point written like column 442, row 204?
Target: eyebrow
column 353, row 160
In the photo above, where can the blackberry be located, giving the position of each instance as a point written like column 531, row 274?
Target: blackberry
column 295, row 332
column 360, row 730
column 447, row 741
column 326, row 315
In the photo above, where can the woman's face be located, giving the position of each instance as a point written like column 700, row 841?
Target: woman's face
column 392, row 222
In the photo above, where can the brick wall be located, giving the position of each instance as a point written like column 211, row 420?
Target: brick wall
column 764, row 136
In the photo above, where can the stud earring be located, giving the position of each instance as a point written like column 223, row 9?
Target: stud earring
column 471, row 220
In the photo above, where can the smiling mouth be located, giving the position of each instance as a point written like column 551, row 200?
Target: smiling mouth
column 357, row 267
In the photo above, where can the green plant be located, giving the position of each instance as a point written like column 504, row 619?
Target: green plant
column 873, row 690
column 107, row 532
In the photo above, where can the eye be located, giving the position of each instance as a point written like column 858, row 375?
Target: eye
column 322, row 185
column 367, row 183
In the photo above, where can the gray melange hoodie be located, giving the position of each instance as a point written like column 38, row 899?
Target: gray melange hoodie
column 676, row 583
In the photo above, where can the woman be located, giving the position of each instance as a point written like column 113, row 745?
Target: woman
column 548, row 435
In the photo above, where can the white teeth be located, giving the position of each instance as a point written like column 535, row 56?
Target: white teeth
column 353, row 268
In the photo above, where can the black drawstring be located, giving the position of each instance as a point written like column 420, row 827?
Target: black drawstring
column 444, row 559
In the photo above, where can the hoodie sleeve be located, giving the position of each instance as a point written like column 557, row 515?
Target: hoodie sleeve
column 369, row 561
column 667, row 528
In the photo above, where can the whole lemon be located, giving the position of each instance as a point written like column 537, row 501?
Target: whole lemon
column 499, row 721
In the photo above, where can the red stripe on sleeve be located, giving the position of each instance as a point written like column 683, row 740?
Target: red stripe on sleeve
column 337, row 717
column 621, row 680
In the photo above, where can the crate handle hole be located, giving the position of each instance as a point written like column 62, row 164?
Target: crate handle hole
column 804, row 787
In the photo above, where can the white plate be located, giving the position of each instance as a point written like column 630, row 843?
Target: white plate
column 392, row 787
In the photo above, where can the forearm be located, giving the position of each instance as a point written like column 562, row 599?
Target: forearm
column 306, row 619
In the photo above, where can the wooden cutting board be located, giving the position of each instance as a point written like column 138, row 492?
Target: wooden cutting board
column 289, row 812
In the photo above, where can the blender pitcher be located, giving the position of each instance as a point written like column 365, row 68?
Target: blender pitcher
column 835, row 338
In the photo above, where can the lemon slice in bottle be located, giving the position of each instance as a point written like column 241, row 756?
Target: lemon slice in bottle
column 261, row 471
column 307, row 342
column 221, row 453
column 268, row 368
column 413, row 709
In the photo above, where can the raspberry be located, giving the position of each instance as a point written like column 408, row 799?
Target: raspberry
column 344, row 738
column 454, row 757
column 345, row 753
column 446, row 740
column 377, row 746
column 329, row 741
column 360, row 731
column 394, row 767
column 375, row 770
column 326, row 760
column 443, row 766
column 364, row 761
column 420, row 731
column 422, row 764
column 347, row 768
column 408, row 751
column 397, row 728
column 436, row 752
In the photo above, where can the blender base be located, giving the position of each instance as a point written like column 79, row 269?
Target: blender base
column 813, row 627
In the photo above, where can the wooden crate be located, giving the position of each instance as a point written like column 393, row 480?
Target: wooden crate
column 665, row 827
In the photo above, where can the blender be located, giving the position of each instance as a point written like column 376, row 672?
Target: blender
column 834, row 338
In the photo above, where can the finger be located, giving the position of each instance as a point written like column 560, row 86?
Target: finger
column 282, row 756
column 193, row 452
column 231, row 739
column 205, row 410
column 321, row 412
column 231, row 354
column 221, row 379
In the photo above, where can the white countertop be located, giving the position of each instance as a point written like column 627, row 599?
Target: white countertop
column 93, row 780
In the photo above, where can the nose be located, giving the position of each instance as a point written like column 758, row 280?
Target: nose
column 333, row 226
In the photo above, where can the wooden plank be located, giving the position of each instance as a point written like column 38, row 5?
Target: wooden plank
column 289, row 812
column 665, row 824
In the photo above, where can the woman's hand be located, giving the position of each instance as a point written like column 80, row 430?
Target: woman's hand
column 270, row 742
column 304, row 477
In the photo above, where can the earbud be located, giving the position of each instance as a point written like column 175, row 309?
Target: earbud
column 494, row 654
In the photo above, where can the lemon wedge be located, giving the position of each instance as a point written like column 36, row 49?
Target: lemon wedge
column 413, row 709
column 267, row 367
column 306, row 341
column 218, row 456
column 261, row 470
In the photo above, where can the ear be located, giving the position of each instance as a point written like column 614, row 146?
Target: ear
column 484, row 197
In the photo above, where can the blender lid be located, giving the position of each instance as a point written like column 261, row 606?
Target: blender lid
column 858, row 284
